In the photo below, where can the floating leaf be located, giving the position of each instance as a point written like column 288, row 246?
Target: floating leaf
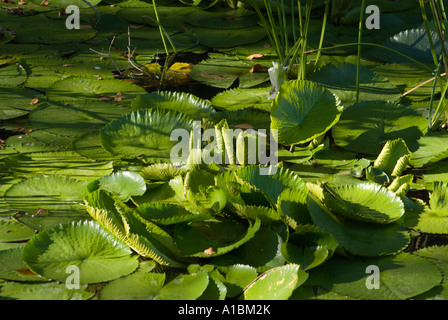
column 144, row 133
column 367, row 202
column 275, row 284
column 123, row 184
column 399, row 277
column 356, row 237
column 366, row 126
column 340, row 79
column 86, row 245
column 303, row 111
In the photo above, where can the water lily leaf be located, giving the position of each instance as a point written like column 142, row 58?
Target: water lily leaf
column 143, row 236
column 271, row 185
column 365, row 127
column 222, row 18
column 17, row 102
column 87, row 245
column 168, row 213
column 356, row 237
column 144, row 133
column 309, row 246
column 11, row 230
column 68, row 163
column 435, row 218
column 236, row 99
column 66, row 3
column 43, row 72
column 431, row 148
column 341, row 80
column 303, row 111
column 169, row 16
column 436, row 255
column 136, row 286
column 13, row 268
column 76, row 88
column 185, row 103
column 393, row 158
column 12, row 75
column 407, row 76
column 212, row 237
column 262, row 252
column 238, row 277
column 78, row 116
column 40, row 29
column 412, row 42
column 161, row 172
column 59, row 195
column 123, row 184
column 227, row 38
column 367, row 202
column 43, row 291
column 185, row 287
column 221, row 71
column 400, row 277
column 275, row 284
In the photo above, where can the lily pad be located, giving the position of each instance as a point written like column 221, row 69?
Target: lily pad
column 366, row 202
column 76, row 89
column 79, row 117
column 86, row 245
column 212, row 237
column 144, row 133
column 12, row 75
column 222, row 18
column 341, row 80
column 275, row 284
column 399, row 277
column 365, row 127
column 221, row 71
column 303, row 111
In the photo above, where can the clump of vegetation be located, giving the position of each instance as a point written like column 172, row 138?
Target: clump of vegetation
column 92, row 207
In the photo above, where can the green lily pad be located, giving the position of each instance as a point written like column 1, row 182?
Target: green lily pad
column 79, row 117
column 13, row 268
column 356, row 237
column 413, row 43
column 76, row 89
column 144, row 133
column 365, row 127
column 40, row 29
column 399, row 277
column 367, row 202
column 137, row 286
column 17, row 102
column 212, row 237
column 178, row 101
column 86, row 245
column 341, row 80
column 11, row 230
column 55, row 194
column 237, row 99
column 45, row 291
column 222, row 19
column 123, row 184
column 275, row 284
column 12, row 75
column 303, row 111
column 221, row 71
